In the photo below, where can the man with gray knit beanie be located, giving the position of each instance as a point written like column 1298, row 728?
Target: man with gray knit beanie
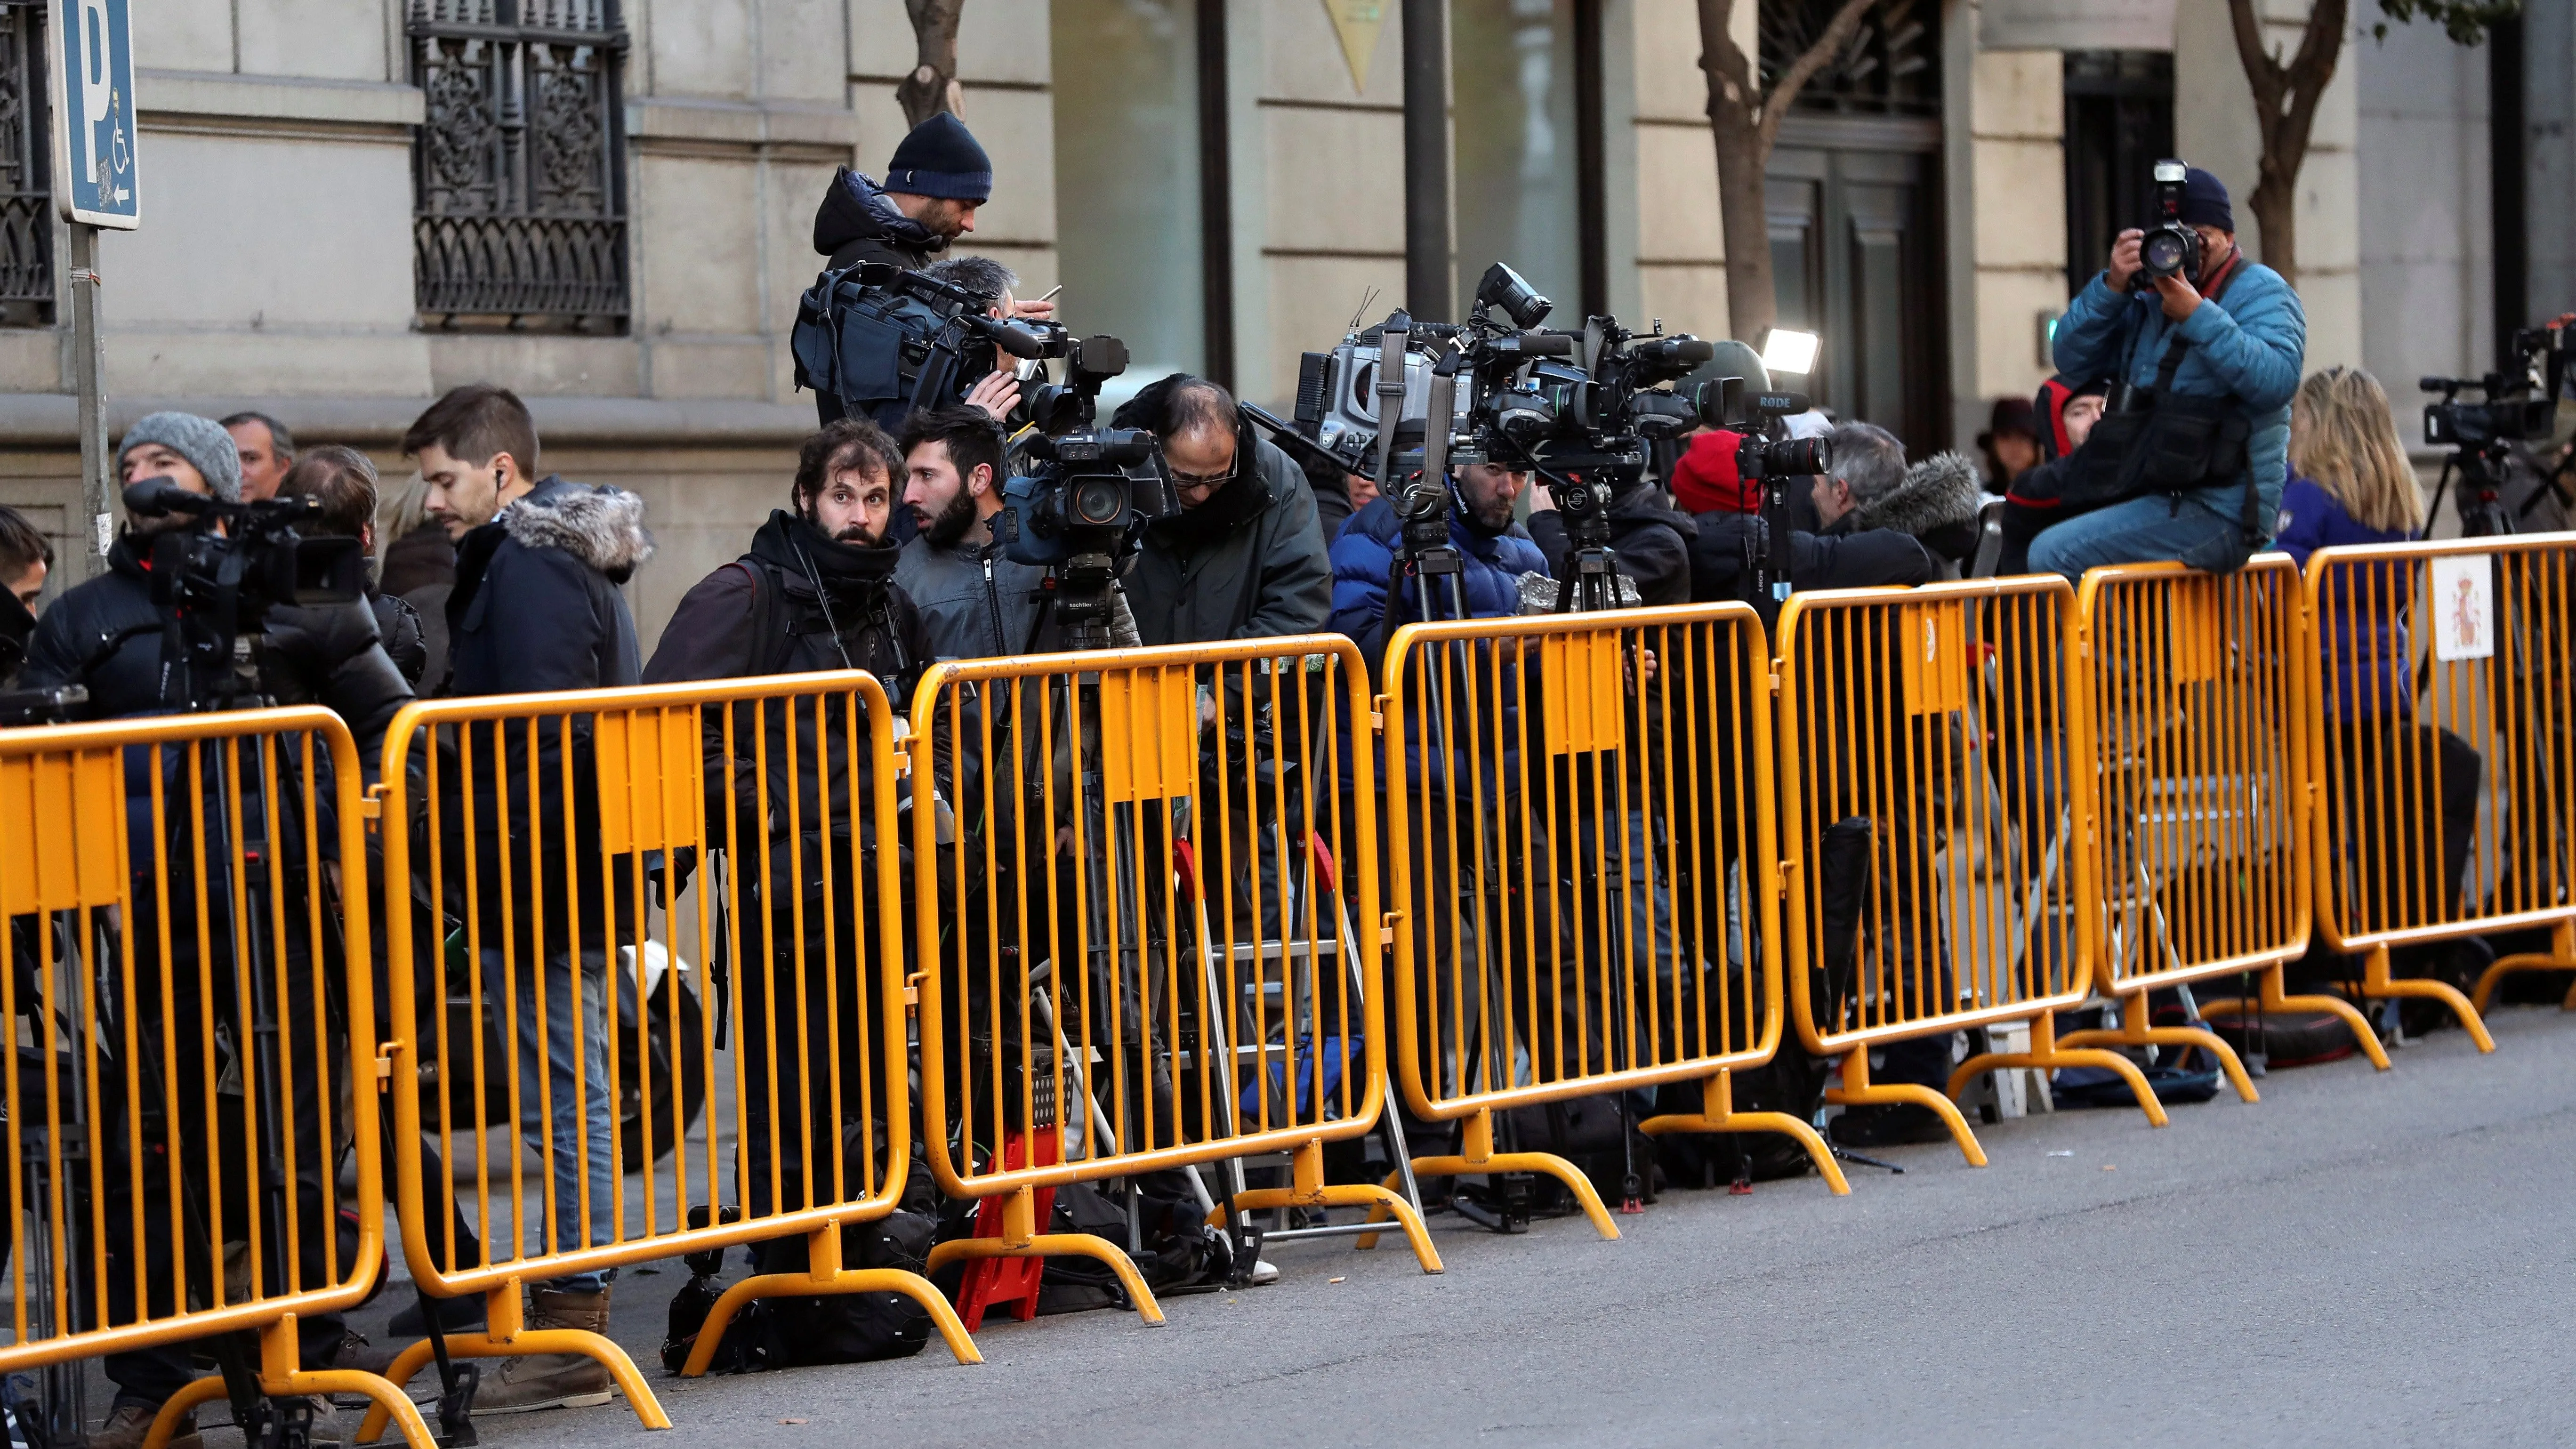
column 105, row 634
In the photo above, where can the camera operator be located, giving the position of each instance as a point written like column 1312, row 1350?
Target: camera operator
column 1493, row 551
column 997, row 392
column 25, row 559
column 1934, row 502
column 1245, row 557
column 537, row 607
column 1651, row 539
column 937, row 179
column 2223, row 328
column 345, row 483
column 1731, row 538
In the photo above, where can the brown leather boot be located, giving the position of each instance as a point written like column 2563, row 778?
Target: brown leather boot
column 552, row 1380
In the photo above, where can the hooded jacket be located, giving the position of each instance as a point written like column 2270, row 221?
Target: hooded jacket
column 1651, row 540
column 1935, row 504
column 2249, row 343
column 798, row 603
column 536, row 609
column 857, row 222
column 536, row 605
column 1249, row 563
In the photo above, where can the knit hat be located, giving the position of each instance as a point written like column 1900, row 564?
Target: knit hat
column 940, row 158
column 2204, row 201
column 202, row 441
column 1705, row 479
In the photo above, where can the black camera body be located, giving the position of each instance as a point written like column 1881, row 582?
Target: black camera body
column 2170, row 247
column 1087, row 493
column 217, row 588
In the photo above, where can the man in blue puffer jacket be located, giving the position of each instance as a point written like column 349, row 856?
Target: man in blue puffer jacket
column 2247, row 339
column 1461, row 778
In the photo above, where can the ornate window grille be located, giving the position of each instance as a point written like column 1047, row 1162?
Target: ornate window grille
column 1891, row 65
column 26, row 193
column 518, row 175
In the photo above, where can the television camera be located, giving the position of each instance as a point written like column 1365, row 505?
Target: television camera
column 885, row 340
column 217, row 578
column 1087, row 494
column 2490, row 437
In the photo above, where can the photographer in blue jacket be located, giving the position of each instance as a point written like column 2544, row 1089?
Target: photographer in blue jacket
column 2227, row 329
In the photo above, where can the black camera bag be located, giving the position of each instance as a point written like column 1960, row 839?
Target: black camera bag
column 2158, row 442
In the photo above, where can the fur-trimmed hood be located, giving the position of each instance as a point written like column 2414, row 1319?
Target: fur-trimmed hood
column 1940, row 492
column 602, row 526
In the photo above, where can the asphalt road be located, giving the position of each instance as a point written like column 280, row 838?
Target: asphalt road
column 2362, row 1257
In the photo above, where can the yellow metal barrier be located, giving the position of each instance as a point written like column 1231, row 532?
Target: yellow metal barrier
column 185, row 969
column 1138, row 951
column 1582, row 863
column 1927, row 744
column 587, row 871
column 2200, row 791
column 2446, row 750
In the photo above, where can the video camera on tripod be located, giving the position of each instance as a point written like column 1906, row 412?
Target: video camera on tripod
column 886, row 341
column 215, row 589
column 1087, row 495
column 2489, row 439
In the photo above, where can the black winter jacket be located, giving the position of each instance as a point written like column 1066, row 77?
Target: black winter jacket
column 537, row 609
column 857, row 222
column 764, row 614
column 1729, row 544
column 1653, row 543
column 106, row 636
column 1249, row 563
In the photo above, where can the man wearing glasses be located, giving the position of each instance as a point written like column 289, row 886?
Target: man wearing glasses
column 1244, row 558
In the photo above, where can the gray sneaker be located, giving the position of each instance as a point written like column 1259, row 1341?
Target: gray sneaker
column 552, row 1380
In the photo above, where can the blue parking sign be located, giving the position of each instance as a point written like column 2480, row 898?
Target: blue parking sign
column 94, row 142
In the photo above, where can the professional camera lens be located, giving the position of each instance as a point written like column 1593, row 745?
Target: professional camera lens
column 1523, row 417
column 1097, row 501
column 2164, row 252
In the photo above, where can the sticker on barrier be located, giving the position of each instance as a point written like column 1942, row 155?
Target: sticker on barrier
column 1148, row 943
column 1933, row 834
column 186, row 968
column 654, row 938
column 1578, row 826
column 2445, row 742
column 2200, row 797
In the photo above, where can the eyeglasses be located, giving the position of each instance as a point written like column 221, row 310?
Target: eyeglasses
column 1204, row 480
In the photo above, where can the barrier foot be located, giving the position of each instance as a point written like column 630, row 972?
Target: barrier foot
column 1479, row 1157
column 503, row 1337
column 2275, row 997
column 825, row 1275
column 2561, row 956
column 1717, row 1114
column 280, row 1378
column 1020, row 1239
column 2376, row 981
column 2141, row 1034
column 1858, row 1091
column 1308, row 1189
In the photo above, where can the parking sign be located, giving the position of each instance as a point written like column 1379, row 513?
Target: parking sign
column 94, row 161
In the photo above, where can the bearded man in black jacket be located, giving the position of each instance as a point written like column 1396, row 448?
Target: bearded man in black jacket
column 815, row 593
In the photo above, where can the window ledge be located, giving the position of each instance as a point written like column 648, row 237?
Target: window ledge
column 261, row 102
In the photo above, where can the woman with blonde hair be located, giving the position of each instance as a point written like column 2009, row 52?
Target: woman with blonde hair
column 2406, row 786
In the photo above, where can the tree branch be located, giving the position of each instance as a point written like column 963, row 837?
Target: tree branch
column 932, row 87
column 1784, row 91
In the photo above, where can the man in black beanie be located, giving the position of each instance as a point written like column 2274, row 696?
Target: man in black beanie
column 936, row 180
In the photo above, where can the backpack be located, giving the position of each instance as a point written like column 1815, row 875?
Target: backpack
column 799, row 1332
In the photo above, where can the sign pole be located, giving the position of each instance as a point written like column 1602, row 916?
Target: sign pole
column 89, row 362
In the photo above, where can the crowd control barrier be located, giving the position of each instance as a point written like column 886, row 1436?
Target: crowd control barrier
column 2200, row 797
column 1579, row 840
column 2446, row 745
column 1933, row 830
column 1134, row 954
column 186, row 973
column 605, row 888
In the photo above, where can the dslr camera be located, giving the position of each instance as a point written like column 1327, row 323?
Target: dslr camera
column 2170, row 248
column 216, row 588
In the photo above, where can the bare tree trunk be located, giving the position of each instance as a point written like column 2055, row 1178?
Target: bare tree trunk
column 2285, row 111
column 1745, row 122
column 932, row 86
